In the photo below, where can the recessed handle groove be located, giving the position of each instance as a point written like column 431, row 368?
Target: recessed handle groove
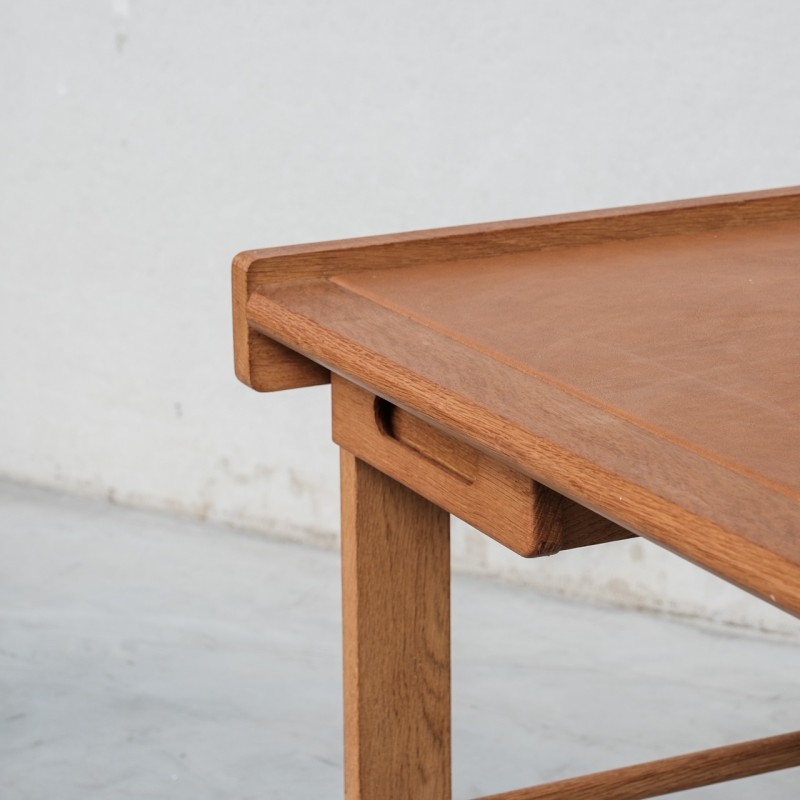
column 429, row 442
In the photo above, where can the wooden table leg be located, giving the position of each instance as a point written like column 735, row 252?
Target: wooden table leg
column 396, row 604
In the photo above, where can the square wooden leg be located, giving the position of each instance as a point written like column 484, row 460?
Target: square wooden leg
column 396, row 608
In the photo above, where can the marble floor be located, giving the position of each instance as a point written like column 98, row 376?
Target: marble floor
column 143, row 656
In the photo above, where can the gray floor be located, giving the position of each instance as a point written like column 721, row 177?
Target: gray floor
column 147, row 657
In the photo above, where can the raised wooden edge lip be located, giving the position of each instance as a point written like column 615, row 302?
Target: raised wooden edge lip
column 247, row 258
column 689, row 534
column 266, row 366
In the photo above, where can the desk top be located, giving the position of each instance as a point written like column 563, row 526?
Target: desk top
column 655, row 379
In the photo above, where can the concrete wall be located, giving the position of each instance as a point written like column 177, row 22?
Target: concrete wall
column 142, row 144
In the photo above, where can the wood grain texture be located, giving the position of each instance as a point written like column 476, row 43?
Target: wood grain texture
column 680, row 460
column 267, row 367
column 513, row 509
column 396, row 604
column 657, row 778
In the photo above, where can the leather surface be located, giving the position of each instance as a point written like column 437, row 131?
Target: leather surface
column 692, row 337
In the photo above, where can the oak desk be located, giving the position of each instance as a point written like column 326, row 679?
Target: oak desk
column 555, row 382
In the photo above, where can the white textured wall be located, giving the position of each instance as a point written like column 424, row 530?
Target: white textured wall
column 143, row 143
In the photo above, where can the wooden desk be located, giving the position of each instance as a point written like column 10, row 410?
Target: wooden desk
column 555, row 382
